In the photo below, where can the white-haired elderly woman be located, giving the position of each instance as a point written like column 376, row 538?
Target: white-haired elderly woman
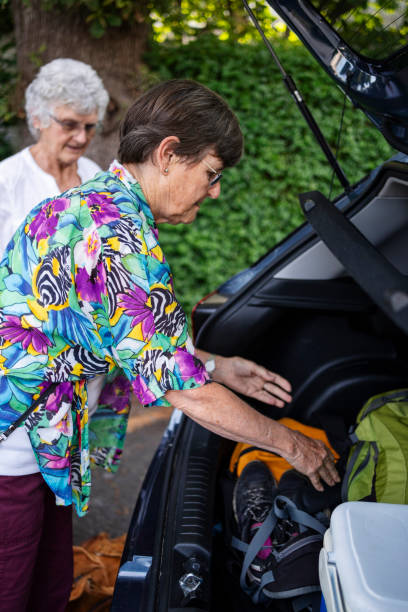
column 64, row 104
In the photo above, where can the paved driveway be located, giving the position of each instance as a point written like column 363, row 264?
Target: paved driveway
column 114, row 495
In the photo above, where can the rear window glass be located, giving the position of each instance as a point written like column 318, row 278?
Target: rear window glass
column 373, row 29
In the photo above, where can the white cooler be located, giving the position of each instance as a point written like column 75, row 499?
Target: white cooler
column 363, row 565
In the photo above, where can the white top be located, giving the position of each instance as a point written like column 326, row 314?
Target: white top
column 23, row 184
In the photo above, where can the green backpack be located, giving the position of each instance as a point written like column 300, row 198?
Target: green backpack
column 377, row 467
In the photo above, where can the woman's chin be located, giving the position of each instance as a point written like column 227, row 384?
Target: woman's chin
column 176, row 218
column 71, row 155
column 192, row 215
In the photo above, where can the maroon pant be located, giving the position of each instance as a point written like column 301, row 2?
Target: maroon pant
column 36, row 566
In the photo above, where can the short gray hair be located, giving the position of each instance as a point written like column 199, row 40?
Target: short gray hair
column 64, row 82
column 199, row 117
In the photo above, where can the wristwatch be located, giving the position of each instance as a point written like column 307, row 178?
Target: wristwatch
column 210, row 364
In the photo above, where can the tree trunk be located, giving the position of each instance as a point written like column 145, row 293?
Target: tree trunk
column 42, row 36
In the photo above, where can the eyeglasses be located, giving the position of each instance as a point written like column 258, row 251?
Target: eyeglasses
column 217, row 175
column 69, row 125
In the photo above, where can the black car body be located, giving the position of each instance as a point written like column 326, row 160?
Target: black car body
column 327, row 308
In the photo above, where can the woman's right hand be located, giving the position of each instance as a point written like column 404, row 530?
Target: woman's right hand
column 312, row 458
column 219, row 410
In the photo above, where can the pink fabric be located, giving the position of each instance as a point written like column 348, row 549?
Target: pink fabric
column 36, row 565
column 267, row 546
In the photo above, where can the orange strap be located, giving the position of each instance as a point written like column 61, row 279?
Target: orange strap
column 245, row 453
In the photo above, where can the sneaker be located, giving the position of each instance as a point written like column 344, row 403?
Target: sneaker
column 253, row 497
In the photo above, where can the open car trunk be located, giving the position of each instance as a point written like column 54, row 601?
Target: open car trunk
column 299, row 313
column 327, row 309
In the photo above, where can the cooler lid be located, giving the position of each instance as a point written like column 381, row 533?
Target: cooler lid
column 370, row 549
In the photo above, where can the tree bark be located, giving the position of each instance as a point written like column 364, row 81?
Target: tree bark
column 44, row 35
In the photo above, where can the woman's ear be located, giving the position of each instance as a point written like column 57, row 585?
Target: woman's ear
column 165, row 153
column 36, row 122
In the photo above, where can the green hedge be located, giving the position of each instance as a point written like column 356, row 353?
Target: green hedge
column 258, row 205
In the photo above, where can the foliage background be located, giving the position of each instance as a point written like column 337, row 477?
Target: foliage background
column 258, row 205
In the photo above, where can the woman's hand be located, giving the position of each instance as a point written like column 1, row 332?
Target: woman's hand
column 253, row 380
column 312, row 458
column 219, row 410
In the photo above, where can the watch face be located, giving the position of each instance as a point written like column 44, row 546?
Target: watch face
column 210, row 365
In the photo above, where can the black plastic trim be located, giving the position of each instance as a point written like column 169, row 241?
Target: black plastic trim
column 386, row 286
column 187, row 534
column 337, row 294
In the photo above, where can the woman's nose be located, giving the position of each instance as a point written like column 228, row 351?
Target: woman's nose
column 81, row 136
column 214, row 190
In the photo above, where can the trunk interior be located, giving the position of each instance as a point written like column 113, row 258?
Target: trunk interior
column 309, row 321
column 336, row 361
column 304, row 317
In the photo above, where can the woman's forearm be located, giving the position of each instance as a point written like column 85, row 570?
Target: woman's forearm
column 222, row 412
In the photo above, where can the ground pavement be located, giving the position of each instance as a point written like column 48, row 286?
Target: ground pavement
column 113, row 496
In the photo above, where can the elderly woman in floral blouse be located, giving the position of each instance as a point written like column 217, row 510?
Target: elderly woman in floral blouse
column 86, row 294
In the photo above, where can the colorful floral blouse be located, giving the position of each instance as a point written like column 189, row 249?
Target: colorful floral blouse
column 85, row 290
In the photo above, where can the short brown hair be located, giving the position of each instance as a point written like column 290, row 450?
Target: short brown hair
column 199, row 117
